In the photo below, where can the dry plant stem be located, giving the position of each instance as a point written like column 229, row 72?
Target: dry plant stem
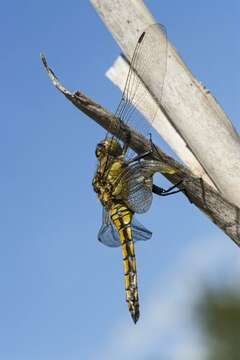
column 224, row 214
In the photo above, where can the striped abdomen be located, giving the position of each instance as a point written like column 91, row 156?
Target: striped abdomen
column 122, row 217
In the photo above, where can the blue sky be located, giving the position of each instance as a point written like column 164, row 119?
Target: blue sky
column 62, row 293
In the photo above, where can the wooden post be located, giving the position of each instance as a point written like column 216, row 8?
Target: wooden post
column 195, row 119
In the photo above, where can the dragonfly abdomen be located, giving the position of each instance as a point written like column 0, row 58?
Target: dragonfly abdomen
column 122, row 217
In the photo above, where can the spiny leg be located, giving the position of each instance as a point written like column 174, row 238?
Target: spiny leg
column 165, row 192
column 143, row 155
column 122, row 217
column 152, row 145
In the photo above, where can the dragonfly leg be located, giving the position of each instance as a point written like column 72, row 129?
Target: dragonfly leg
column 143, row 155
column 139, row 157
column 162, row 192
column 154, row 148
column 165, row 192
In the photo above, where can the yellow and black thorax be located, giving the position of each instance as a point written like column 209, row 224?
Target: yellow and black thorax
column 106, row 182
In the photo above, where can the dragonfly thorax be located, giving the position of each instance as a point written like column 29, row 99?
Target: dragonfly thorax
column 110, row 165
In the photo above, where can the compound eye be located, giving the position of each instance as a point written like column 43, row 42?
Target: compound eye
column 98, row 151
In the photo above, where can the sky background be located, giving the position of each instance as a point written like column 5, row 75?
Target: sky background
column 62, row 292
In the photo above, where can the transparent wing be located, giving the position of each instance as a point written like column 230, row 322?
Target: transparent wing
column 150, row 50
column 137, row 188
column 108, row 234
column 136, row 183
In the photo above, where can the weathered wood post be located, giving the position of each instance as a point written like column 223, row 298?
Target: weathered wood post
column 189, row 117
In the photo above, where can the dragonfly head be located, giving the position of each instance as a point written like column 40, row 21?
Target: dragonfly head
column 108, row 147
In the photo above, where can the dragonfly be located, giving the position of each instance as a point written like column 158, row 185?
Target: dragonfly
column 123, row 180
